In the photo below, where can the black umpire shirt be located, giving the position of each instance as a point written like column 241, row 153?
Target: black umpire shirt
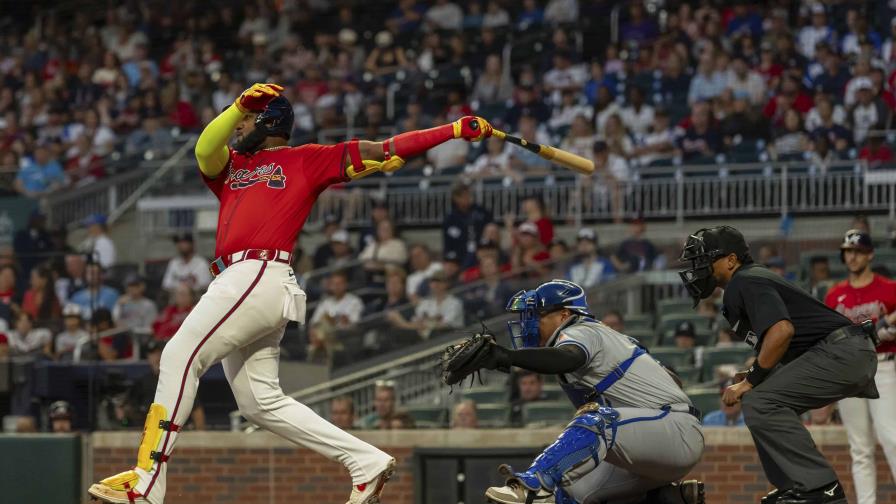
column 756, row 299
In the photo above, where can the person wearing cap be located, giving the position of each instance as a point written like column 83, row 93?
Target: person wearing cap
column 462, row 228
column 422, row 267
column 865, row 294
column 437, row 312
column 72, row 334
column 40, row 175
column 133, row 309
column 339, row 309
column 98, row 245
column 726, row 415
column 590, row 268
column 869, row 111
column 95, row 293
column 342, row 252
column 637, row 253
column 60, row 417
column 876, row 153
column 818, row 31
column 325, row 250
column 808, row 356
column 379, row 211
column 529, row 253
column 685, row 335
column 186, row 267
column 32, row 243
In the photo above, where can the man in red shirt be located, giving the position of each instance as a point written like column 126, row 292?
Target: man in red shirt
column 266, row 190
column 866, row 295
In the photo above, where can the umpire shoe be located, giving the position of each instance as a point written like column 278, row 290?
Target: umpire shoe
column 369, row 493
column 772, row 497
column 832, row 493
column 515, row 493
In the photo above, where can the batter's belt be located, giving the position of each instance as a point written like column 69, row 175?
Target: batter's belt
column 220, row 264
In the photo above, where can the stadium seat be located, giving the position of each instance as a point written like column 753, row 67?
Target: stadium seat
column 485, row 395
column 673, row 357
column 674, row 305
column 428, row 417
column 545, row 413
column 646, row 337
column 553, row 392
column 690, row 375
column 639, row 321
column 496, row 415
column 705, row 399
column 713, row 357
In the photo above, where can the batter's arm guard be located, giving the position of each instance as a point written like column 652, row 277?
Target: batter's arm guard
column 211, row 149
column 358, row 167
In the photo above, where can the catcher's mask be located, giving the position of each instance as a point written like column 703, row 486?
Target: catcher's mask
column 275, row 120
column 533, row 304
column 702, row 249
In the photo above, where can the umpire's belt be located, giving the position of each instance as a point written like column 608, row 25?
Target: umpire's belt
column 849, row 331
column 220, row 264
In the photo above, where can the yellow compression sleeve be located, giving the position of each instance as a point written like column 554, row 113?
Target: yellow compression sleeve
column 211, row 148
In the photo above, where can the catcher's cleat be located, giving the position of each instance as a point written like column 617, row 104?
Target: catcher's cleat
column 118, row 489
column 686, row 492
column 515, row 492
column 369, row 493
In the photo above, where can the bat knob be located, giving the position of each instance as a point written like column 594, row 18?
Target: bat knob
column 474, row 125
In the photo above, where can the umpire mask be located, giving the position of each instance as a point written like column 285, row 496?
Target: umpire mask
column 701, row 250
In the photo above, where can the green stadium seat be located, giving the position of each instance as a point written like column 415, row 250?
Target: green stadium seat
column 553, row 393
column 674, row 305
column 545, row 413
column 646, row 337
column 485, row 395
column 690, row 375
column 713, row 357
column 495, row 415
column 428, row 417
column 673, row 357
column 705, row 399
column 639, row 321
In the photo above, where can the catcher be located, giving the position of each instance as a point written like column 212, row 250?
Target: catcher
column 635, row 430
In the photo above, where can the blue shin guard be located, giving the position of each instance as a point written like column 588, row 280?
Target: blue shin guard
column 578, row 444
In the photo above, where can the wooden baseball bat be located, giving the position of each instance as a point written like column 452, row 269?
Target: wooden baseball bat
column 561, row 157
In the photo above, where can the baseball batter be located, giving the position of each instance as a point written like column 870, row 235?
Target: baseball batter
column 266, row 190
column 866, row 295
column 635, row 430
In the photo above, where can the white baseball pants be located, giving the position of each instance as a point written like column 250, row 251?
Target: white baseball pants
column 240, row 321
column 860, row 417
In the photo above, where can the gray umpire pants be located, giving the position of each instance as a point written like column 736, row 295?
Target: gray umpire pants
column 826, row 373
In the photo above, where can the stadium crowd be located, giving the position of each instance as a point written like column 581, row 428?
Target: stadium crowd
column 86, row 94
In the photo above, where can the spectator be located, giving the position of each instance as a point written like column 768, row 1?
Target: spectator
column 535, row 212
column 342, row 254
column 186, row 267
column 727, row 416
column 25, row 339
column 611, row 173
column 150, row 141
column 73, row 279
column 26, row 424
column 580, row 137
column 488, row 249
column 387, row 250
column 379, row 211
column 342, row 412
column 657, row 145
column 818, row 31
column 133, row 310
column 790, row 141
column 33, row 244
column 529, row 254
column 875, row 152
column 826, row 415
column 60, row 415
column 488, row 298
column 530, row 131
column 637, row 116
column 590, row 269
column 857, row 34
column 888, row 49
column 617, row 137
column 700, row 141
column 708, row 82
column 527, row 104
column 8, row 292
column 422, row 267
column 675, row 83
column 94, row 294
column 395, row 297
column 531, row 389
column 143, row 389
column 384, row 403
column 444, row 15
column 72, row 334
column 833, row 78
column 325, row 249
column 449, row 155
column 563, row 76
column 636, row 253
column 868, row 113
column 166, row 324
column 495, row 16
column 438, row 312
column 614, row 320
column 639, row 28
column 494, row 162
column 98, row 246
column 40, row 300
column 82, row 164
column 385, row 58
column 819, row 276
column 745, row 83
column 530, row 15
column 569, row 108
column 495, row 85
column 462, row 228
column 561, row 11
column 464, row 416
column 340, row 309
column 685, row 336
column 40, row 175
column 824, row 119
column 401, row 420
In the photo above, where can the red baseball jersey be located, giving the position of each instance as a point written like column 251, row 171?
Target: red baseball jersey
column 872, row 301
column 266, row 196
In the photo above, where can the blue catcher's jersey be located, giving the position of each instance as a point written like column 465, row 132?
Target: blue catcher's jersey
column 639, row 382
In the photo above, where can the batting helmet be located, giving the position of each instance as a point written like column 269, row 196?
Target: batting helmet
column 546, row 298
column 856, row 239
column 276, row 120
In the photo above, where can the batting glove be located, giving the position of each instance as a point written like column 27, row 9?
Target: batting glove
column 472, row 128
column 257, row 97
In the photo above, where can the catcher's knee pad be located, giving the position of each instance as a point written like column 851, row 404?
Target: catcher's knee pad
column 157, row 424
column 575, row 452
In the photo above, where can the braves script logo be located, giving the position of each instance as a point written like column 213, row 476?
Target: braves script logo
column 272, row 174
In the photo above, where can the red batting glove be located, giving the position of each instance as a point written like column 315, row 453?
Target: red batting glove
column 472, row 128
column 257, row 97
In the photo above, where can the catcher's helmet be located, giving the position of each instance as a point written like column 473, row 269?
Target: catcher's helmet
column 856, row 239
column 546, row 298
column 276, row 120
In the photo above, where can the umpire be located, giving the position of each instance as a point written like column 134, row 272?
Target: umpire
column 808, row 356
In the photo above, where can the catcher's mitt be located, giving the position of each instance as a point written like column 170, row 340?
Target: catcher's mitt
column 469, row 356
